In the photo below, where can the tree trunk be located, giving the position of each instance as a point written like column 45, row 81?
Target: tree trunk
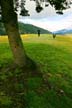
column 11, row 25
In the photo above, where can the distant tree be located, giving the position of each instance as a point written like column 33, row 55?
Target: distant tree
column 38, row 33
column 8, row 10
column 54, row 36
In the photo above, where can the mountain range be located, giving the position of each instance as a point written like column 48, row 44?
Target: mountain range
column 31, row 29
column 25, row 29
column 64, row 31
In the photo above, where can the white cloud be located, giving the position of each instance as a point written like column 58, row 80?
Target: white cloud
column 47, row 19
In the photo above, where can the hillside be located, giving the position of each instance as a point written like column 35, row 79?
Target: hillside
column 31, row 29
column 2, row 29
column 25, row 29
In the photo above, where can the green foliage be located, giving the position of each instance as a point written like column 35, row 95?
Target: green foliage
column 59, row 5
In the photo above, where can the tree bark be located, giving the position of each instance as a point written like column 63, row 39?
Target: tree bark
column 9, row 18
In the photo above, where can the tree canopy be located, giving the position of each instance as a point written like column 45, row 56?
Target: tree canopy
column 59, row 5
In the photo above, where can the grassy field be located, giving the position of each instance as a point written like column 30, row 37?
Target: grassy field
column 54, row 57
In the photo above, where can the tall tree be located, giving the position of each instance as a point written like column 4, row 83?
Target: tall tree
column 9, row 18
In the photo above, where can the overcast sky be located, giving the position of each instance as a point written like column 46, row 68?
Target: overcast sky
column 48, row 18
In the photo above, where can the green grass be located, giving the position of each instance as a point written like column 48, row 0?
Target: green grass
column 54, row 57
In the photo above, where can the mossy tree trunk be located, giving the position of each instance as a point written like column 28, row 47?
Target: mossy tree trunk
column 11, row 25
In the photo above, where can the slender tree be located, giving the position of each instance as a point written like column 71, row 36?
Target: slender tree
column 9, row 18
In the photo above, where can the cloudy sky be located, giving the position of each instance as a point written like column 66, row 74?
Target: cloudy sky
column 47, row 19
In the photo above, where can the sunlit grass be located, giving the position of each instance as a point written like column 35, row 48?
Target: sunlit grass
column 54, row 57
column 3, row 39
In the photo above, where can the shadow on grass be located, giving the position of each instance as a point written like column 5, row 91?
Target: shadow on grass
column 16, row 83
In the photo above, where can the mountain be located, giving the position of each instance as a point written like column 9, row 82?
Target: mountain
column 64, row 31
column 31, row 29
column 25, row 28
